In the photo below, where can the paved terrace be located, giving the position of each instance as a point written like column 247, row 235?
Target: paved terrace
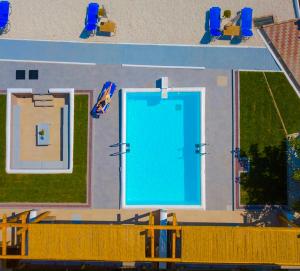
column 105, row 168
column 210, row 57
column 129, row 216
column 138, row 21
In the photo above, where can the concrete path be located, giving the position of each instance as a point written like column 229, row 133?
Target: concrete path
column 211, row 57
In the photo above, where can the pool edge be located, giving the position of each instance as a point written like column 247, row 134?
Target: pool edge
column 123, row 142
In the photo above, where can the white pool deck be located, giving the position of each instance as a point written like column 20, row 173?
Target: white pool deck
column 218, row 133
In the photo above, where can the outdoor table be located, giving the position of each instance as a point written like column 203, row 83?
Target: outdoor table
column 233, row 30
column 108, row 27
column 42, row 140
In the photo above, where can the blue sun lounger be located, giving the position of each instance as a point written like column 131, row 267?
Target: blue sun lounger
column 4, row 15
column 92, row 17
column 215, row 21
column 102, row 104
column 246, row 22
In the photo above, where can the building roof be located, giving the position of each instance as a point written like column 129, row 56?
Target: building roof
column 284, row 41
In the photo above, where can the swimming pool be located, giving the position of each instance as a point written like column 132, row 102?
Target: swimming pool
column 162, row 163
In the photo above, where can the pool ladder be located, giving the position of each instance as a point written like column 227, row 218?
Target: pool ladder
column 120, row 145
column 198, row 148
column 127, row 147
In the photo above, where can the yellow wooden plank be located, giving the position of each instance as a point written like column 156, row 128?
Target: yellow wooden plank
column 16, row 217
column 13, row 257
column 152, row 244
column 208, row 244
column 40, row 217
column 199, row 244
column 174, row 236
column 4, row 233
column 86, row 242
column 285, row 221
column 164, row 227
column 23, row 236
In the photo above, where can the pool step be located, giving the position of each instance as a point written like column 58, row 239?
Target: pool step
column 164, row 81
column 42, row 97
column 164, row 93
column 44, row 103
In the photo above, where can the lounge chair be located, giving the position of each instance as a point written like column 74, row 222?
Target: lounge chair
column 104, row 98
column 215, row 21
column 92, row 17
column 4, row 16
column 246, row 23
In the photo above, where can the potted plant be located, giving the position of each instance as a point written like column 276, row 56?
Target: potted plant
column 42, row 133
column 227, row 13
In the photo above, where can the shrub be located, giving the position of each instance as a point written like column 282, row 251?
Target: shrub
column 296, row 206
column 296, row 175
column 296, row 145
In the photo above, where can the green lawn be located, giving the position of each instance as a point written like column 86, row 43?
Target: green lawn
column 60, row 188
column 262, row 136
column 287, row 101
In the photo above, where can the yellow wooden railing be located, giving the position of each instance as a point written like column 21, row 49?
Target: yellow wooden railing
column 284, row 221
column 139, row 243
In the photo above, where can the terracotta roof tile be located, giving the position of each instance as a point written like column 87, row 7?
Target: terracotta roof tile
column 285, row 37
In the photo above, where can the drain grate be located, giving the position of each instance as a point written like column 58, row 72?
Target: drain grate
column 33, row 74
column 20, row 74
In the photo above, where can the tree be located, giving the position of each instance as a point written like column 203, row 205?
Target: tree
column 295, row 143
column 296, row 206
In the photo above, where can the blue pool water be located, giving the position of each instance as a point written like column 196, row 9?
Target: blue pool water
column 162, row 166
